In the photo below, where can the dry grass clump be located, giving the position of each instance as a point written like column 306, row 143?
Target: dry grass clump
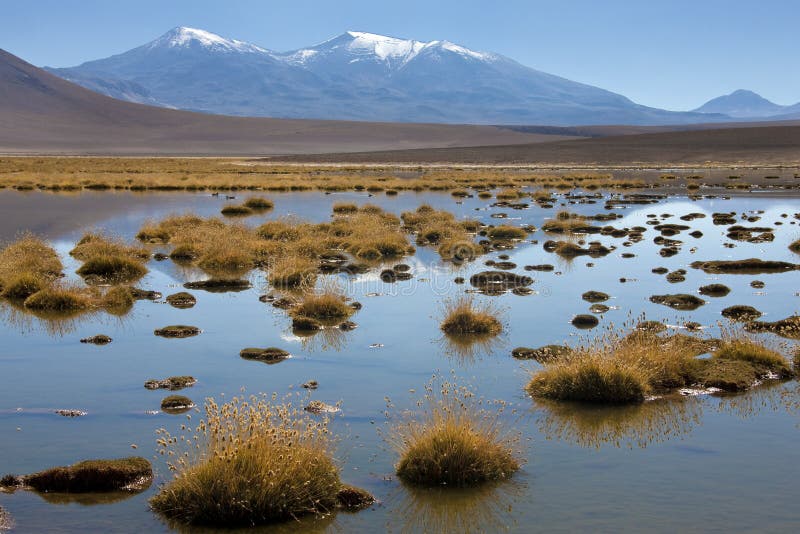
column 22, row 285
column 591, row 377
column 248, row 462
column 345, row 207
column 233, row 210
column 293, row 272
column 626, row 368
column 453, row 440
column 454, row 238
column 565, row 222
column 112, row 268
column 94, row 244
column 60, row 299
column 745, row 349
column 258, row 203
column 93, row 476
column 505, row 231
column 329, row 305
column 464, row 316
column 27, row 265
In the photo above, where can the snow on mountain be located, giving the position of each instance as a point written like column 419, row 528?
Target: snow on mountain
column 356, row 76
column 187, row 37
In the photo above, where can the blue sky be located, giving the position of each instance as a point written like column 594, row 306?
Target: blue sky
column 674, row 55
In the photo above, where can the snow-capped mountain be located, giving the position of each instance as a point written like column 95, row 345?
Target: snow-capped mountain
column 746, row 104
column 356, row 75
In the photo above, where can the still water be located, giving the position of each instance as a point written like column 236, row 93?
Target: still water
column 698, row 463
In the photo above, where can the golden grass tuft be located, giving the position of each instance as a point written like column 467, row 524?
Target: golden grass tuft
column 326, row 306
column 591, row 378
column 463, row 316
column 94, row 244
column 31, row 256
column 113, row 268
column 248, row 462
column 453, row 440
column 60, row 299
column 760, row 356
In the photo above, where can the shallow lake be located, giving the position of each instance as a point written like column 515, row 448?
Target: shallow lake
column 694, row 463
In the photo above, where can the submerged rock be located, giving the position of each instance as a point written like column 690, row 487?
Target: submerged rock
column 499, row 281
column 176, row 404
column 747, row 266
column 269, row 355
column 741, row 312
column 171, row 383
column 715, row 290
column 319, row 407
column 70, row 413
column 177, row 331
column 585, row 321
column 543, row 354
column 145, row 294
column 99, row 339
column 215, row 285
column 353, row 499
column 788, row 328
column 679, row 301
column 595, row 296
column 181, row 300
column 651, row 326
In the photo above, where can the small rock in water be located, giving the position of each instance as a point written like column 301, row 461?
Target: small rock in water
column 70, row 413
column 318, row 407
column 99, row 339
column 311, row 384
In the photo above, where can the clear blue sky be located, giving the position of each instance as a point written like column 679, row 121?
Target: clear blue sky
column 671, row 54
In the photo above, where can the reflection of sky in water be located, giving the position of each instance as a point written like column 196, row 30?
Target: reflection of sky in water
column 707, row 453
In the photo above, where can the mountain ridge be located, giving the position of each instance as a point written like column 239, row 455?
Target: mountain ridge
column 356, row 76
column 743, row 103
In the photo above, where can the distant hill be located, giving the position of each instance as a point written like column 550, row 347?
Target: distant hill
column 746, row 104
column 356, row 76
column 42, row 113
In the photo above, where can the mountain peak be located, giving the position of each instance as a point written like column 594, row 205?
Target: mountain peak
column 186, row 37
column 393, row 51
column 741, row 103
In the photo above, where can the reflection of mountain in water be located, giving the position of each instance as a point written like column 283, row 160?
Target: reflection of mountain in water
column 487, row 508
column 637, row 425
